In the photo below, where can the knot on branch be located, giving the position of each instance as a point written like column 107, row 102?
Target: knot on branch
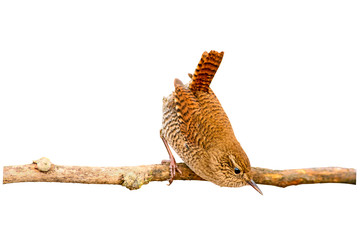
column 133, row 180
column 43, row 164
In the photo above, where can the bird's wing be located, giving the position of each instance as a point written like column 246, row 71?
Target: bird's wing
column 188, row 111
column 202, row 120
column 205, row 71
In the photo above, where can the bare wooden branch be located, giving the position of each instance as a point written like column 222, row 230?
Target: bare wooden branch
column 134, row 177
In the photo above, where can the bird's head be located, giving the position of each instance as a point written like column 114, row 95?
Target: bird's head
column 233, row 169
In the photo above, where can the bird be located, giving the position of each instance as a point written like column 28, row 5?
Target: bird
column 195, row 125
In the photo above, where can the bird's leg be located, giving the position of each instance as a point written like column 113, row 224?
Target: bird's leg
column 173, row 166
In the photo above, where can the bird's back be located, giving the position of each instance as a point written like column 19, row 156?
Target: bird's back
column 194, row 122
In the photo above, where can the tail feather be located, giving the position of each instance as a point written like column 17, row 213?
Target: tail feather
column 205, row 71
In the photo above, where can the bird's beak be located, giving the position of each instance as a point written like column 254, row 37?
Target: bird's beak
column 253, row 184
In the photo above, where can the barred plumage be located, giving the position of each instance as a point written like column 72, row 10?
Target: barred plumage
column 197, row 128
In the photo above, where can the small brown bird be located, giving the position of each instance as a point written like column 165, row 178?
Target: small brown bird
column 197, row 128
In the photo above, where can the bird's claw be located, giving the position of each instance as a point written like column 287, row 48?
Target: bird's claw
column 173, row 169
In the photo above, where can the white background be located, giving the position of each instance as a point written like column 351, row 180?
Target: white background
column 82, row 84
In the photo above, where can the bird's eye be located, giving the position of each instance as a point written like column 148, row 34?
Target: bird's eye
column 237, row 171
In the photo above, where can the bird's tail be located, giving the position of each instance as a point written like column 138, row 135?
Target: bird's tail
column 205, row 71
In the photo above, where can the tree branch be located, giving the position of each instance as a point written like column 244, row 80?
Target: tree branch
column 43, row 170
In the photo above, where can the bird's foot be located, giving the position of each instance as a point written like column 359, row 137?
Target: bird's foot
column 173, row 169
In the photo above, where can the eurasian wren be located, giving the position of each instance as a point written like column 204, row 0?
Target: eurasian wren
column 197, row 128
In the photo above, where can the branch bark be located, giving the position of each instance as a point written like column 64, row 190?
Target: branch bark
column 43, row 170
